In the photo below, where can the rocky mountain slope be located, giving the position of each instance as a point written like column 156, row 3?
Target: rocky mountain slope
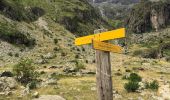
column 45, row 30
column 147, row 16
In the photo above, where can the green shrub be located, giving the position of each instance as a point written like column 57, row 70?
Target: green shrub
column 17, row 55
column 32, row 85
column 55, row 41
column 153, row 85
column 131, row 86
column 10, row 54
column 25, row 71
column 135, row 77
column 9, row 33
column 16, row 11
column 79, row 65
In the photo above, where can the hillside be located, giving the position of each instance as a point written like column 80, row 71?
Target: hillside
column 39, row 60
column 31, row 26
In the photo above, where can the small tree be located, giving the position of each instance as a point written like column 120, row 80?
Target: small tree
column 135, row 77
column 131, row 86
column 25, row 71
column 152, row 85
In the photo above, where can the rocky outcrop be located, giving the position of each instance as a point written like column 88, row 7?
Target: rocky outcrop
column 147, row 16
column 7, row 83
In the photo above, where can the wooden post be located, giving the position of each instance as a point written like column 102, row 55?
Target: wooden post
column 103, row 74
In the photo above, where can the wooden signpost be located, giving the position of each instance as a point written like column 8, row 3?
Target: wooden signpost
column 103, row 49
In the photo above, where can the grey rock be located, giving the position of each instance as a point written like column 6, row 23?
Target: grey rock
column 49, row 56
column 41, row 61
column 25, row 91
column 93, row 88
column 7, row 83
column 51, row 81
column 35, row 95
column 50, row 97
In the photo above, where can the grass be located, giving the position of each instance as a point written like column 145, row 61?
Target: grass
column 72, row 88
column 11, row 34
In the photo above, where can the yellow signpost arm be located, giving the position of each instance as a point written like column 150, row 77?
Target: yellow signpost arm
column 109, row 35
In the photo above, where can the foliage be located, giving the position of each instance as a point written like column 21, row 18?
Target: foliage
column 79, row 65
column 131, row 86
column 16, row 11
column 25, row 71
column 32, row 84
column 154, row 85
column 10, row 34
column 135, row 77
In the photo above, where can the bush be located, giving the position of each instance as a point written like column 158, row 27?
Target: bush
column 15, row 11
column 135, row 77
column 153, row 85
column 25, row 71
column 79, row 65
column 55, row 41
column 17, row 55
column 131, row 86
column 10, row 54
column 32, row 85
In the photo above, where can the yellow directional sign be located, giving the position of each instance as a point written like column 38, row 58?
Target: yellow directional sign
column 107, row 47
column 114, row 34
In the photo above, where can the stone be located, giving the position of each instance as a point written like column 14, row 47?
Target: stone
column 142, row 85
column 35, row 95
column 49, row 56
column 12, row 84
column 164, row 91
column 146, row 64
column 41, row 61
column 55, row 67
column 140, row 98
column 49, row 97
column 117, row 96
column 51, row 81
column 7, row 83
column 6, row 74
column 25, row 91
column 70, row 70
column 88, row 72
column 93, row 88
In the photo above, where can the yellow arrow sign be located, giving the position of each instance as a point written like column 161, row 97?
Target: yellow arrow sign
column 115, row 34
column 107, row 47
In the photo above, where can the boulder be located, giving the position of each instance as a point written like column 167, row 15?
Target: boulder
column 35, row 95
column 7, row 83
column 164, row 92
column 49, row 56
column 50, row 97
column 25, row 91
column 41, row 61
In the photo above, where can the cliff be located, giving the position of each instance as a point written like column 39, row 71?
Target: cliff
column 147, row 16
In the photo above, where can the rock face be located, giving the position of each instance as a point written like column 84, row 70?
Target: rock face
column 160, row 15
column 7, row 83
column 147, row 16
